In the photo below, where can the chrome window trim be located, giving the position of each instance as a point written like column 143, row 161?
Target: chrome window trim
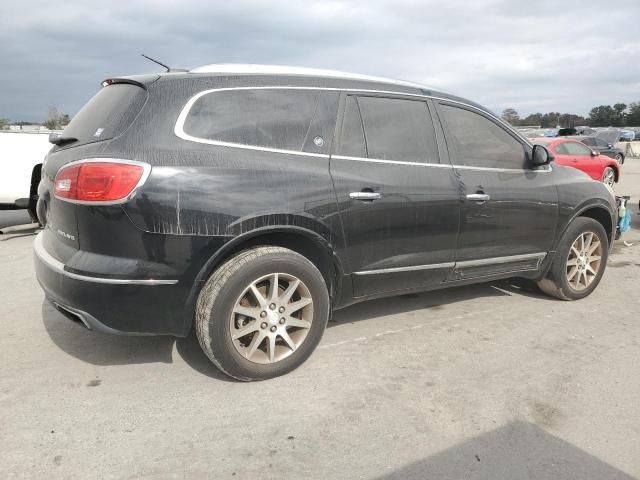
column 180, row 133
column 146, row 171
column 393, row 162
column 499, row 169
column 469, row 263
column 59, row 267
column 431, row 266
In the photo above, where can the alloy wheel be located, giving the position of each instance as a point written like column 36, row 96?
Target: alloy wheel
column 271, row 318
column 609, row 177
column 584, row 261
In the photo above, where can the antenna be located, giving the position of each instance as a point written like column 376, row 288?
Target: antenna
column 156, row 61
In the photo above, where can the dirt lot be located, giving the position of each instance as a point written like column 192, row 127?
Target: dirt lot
column 489, row 381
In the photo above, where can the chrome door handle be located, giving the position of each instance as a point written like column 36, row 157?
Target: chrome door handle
column 478, row 197
column 365, row 195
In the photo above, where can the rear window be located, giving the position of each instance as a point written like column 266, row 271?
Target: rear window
column 279, row 119
column 108, row 114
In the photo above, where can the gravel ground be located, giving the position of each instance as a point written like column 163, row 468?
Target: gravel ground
column 492, row 381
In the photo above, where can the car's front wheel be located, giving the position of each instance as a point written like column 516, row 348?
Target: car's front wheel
column 262, row 313
column 579, row 262
column 609, row 176
column 619, row 158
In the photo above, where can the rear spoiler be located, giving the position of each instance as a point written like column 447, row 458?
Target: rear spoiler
column 142, row 81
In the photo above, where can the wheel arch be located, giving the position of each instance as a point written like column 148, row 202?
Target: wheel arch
column 307, row 243
column 616, row 169
column 36, row 176
column 599, row 214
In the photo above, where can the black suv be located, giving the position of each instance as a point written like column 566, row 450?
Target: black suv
column 248, row 203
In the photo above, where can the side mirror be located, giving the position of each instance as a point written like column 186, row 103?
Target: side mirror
column 610, row 145
column 594, row 153
column 540, row 156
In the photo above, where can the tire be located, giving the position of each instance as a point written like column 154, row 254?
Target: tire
column 263, row 352
column 609, row 176
column 557, row 282
column 619, row 158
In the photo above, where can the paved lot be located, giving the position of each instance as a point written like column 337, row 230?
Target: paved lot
column 490, row 381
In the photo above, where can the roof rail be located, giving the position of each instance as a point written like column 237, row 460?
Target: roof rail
column 254, row 69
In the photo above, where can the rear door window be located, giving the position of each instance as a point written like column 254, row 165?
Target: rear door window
column 476, row 141
column 108, row 114
column 268, row 118
column 398, row 129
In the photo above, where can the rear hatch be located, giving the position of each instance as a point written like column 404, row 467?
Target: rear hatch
column 106, row 116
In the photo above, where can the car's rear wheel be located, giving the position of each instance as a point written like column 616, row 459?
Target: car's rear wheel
column 619, row 158
column 609, row 176
column 262, row 313
column 580, row 261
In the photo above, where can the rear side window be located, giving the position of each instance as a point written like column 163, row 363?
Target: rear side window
column 268, row 118
column 398, row 129
column 352, row 135
column 575, row 148
column 479, row 142
column 589, row 141
column 108, row 114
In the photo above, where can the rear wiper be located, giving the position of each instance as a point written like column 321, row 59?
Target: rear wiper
column 58, row 139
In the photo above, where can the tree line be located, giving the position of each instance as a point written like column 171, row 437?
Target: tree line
column 54, row 121
column 618, row 115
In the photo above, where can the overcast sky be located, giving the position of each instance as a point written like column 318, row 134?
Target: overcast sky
column 533, row 56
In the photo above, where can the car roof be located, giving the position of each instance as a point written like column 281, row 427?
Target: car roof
column 258, row 69
column 304, row 77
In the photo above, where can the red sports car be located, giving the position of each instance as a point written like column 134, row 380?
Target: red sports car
column 576, row 154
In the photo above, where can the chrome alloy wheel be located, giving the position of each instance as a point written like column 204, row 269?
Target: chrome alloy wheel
column 584, row 261
column 609, row 177
column 271, row 318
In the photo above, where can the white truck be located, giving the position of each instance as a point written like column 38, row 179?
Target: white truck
column 21, row 156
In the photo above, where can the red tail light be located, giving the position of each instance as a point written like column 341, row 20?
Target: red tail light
column 100, row 181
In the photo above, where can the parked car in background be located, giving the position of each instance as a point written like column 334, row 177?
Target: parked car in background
column 247, row 202
column 573, row 153
column 609, row 135
column 583, row 130
column 567, row 131
column 533, row 133
column 627, row 135
column 21, row 156
column 602, row 147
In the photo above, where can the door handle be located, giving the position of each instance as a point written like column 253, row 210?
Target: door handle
column 478, row 197
column 365, row 196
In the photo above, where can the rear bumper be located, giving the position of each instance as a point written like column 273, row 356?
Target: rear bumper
column 125, row 306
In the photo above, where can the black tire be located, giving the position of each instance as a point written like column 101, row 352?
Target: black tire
column 556, row 283
column 220, row 293
column 619, row 158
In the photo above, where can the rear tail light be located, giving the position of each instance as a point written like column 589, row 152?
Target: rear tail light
column 97, row 181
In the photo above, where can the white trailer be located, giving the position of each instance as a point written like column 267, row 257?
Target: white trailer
column 21, row 156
